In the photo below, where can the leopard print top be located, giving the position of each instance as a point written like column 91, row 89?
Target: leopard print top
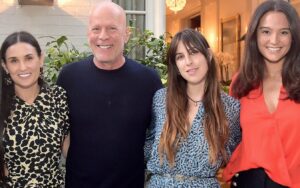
column 33, row 140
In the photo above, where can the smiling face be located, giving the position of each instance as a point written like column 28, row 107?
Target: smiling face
column 23, row 65
column 107, row 35
column 192, row 64
column 274, row 37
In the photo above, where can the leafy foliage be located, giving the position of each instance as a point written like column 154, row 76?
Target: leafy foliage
column 149, row 50
column 59, row 51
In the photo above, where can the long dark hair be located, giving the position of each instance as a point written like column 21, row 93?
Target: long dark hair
column 7, row 90
column 177, row 124
column 252, row 70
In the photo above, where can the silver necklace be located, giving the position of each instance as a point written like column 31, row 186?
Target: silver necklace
column 196, row 103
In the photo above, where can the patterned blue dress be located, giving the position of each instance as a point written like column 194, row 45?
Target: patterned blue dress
column 192, row 168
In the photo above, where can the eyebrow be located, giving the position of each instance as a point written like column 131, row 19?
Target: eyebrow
column 265, row 27
column 11, row 58
column 14, row 57
column 192, row 49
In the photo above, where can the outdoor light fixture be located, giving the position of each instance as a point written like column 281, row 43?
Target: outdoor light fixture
column 175, row 5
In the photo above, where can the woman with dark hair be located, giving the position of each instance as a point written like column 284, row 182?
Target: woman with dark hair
column 34, row 117
column 268, row 87
column 195, row 126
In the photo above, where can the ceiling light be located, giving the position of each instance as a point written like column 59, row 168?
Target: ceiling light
column 175, row 5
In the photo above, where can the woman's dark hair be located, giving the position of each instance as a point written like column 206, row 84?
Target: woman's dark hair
column 253, row 67
column 7, row 91
column 177, row 123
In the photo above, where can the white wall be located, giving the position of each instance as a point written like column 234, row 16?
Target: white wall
column 68, row 19
column 155, row 16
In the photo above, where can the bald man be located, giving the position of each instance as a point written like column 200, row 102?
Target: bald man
column 110, row 98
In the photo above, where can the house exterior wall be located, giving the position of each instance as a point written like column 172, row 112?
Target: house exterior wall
column 68, row 19
column 65, row 17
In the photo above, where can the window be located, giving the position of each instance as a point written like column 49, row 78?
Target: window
column 135, row 17
column 135, row 12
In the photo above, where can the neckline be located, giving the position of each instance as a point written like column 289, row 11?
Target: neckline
column 108, row 70
column 20, row 100
column 280, row 97
column 259, row 95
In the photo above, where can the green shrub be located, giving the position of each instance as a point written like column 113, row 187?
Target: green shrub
column 59, row 51
column 149, row 50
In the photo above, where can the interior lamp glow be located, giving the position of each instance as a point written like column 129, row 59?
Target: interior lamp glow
column 175, row 5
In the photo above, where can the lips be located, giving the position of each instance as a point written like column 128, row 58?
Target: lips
column 192, row 70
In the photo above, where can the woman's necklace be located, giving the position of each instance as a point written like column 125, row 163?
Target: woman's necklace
column 196, row 103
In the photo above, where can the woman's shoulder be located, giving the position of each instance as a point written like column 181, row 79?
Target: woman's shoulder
column 159, row 97
column 55, row 91
column 230, row 102
column 161, row 92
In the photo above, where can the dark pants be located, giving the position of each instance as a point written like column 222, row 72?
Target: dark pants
column 253, row 178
